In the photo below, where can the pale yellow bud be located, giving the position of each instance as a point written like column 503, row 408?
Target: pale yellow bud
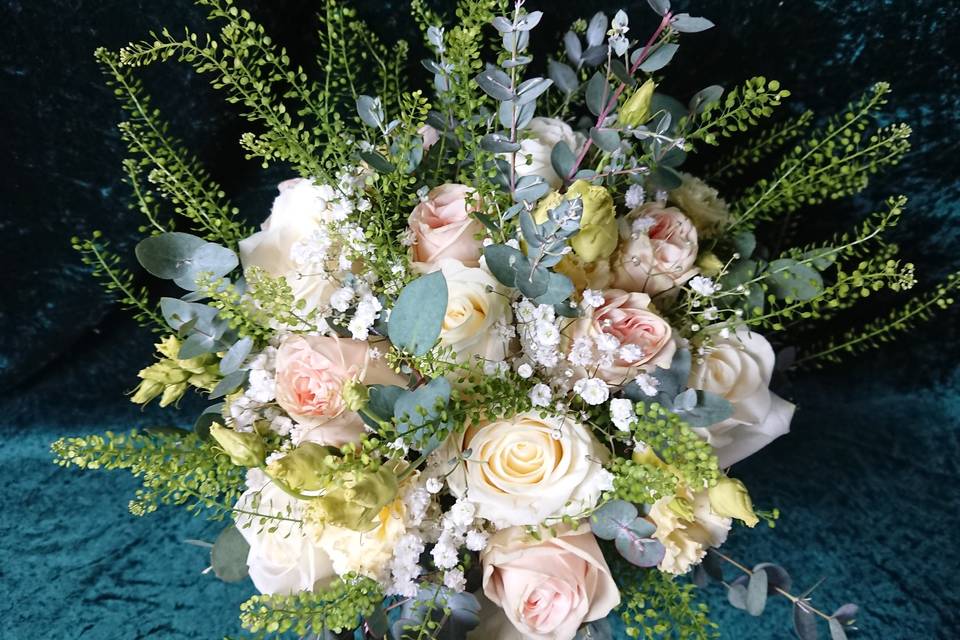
column 244, row 449
column 172, row 393
column 709, row 264
column 303, row 469
column 729, row 498
column 355, row 395
column 636, row 110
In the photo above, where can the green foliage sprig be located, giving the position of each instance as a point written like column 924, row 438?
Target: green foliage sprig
column 836, row 161
column 175, row 467
column 118, row 281
column 741, row 157
column 266, row 303
column 342, row 605
column 656, row 605
column 741, row 109
column 176, row 173
column 677, row 444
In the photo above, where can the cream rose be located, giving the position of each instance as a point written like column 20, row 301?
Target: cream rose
column 624, row 336
column 301, row 209
column 659, row 252
column 687, row 538
column 443, row 227
column 519, row 473
column 739, row 368
column 476, row 304
column 533, row 159
column 546, row 589
column 311, row 373
column 702, row 204
column 365, row 552
column 282, row 559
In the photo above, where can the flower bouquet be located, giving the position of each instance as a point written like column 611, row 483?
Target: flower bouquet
column 482, row 370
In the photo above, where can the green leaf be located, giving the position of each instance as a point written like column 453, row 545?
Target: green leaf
column 563, row 76
column 495, row 83
column 744, row 243
column 530, row 90
column 417, row 316
column 235, row 355
column 597, row 29
column 530, row 189
column 610, row 518
column 705, row 97
column 502, row 261
column 660, row 57
column 378, row 161
column 598, row 94
column 166, row 255
column 685, row 23
column 211, row 414
column 370, row 111
column 757, row 593
column 659, row 6
column 606, row 139
column 804, row 622
column 229, row 384
column 228, row 557
column 562, row 159
column 498, row 143
column 837, row 632
column 788, row 278
column 559, row 289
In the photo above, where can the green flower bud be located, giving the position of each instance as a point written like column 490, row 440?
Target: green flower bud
column 172, row 393
column 729, row 498
column 303, row 469
column 709, row 264
column 355, row 395
column 636, row 110
column 244, row 449
column 359, row 499
column 147, row 391
column 598, row 235
column 683, row 508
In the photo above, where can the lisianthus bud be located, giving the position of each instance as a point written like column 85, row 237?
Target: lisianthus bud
column 598, row 235
column 172, row 393
column 709, row 264
column 730, row 499
column 358, row 500
column 636, row 110
column 355, row 395
column 244, row 449
column 147, row 391
column 303, row 469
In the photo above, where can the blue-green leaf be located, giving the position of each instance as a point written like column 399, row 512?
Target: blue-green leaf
column 562, row 159
column 228, row 556
column 229, row 384
column 705, row 97
column 788, row 278
column 638, row 550
column 530, row 189
column 213, row 413
column 607, row 521
column 685, row 23
column 597, row 29
column 804, row 622
column 659, row 6
column 837, row 632
column 563, row 76
column 598, row 94
column 530, row 90
column 166, row 255
column 660, row 57
column 235, row 355
column 417, row 316
column 757, row 593
column 495, row 83
column 370, row 111
column 209, row 258
column 606, row 139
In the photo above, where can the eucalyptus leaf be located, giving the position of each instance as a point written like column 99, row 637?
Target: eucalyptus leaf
column 532, row 89
column 737, row 595
column 209, row 258
column 786, row 278
column 777, row 577
column 463, row 608
column 821, row 258
column 228, row 556
column 757, row 593
column 235, row 355
column 197, row 344
column 607, row 521
column 502, row 260
column 573, row 48
column 495, row 83
column 804, row 622
column 664, row 178
column 211, row 414
column 502, row 24
column 598, row 94
column 559, row 289
column 708, row 409
column 594, row 55
column 606, row 139
column 837, row 632
column 744, row 243
column 498, row 143
column 562, row 159
column 229, row 384
column 166, row 255
column 417, row 315
column 532, row 282
column 422, row 406
column 707, row 96
column 370, row 111
column 596, row 630
column 847, row 613
column 378, row 161
column 597, row 29
column 659, row 57
column 685, row 23
column 530, row 189
column 178, row 313
column 642, row 552
column 529, row 21
column 659, row 6
column 383, row 399
column 563, row 77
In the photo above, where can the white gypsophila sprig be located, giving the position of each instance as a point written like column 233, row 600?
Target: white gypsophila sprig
column 593, row 390
column 622, row 413
column 635, row 196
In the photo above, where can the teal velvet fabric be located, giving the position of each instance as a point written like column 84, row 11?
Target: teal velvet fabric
column 866, row 481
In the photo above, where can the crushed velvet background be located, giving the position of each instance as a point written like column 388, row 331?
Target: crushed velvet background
column 866, row 481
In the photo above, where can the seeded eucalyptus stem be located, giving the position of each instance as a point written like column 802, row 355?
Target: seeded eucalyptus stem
column 664, row 23
column 786, row 594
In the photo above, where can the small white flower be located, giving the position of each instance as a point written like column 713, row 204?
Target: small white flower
column 648, row 384
column 635, row 196
column 592, row 390
column 341, row 298
column 540, row 395
column 704, row 286
column 642, row 225
column 525, row 371
column 622, row 413
column 547, row 333
column 592, row 298
column 434, row 485
column 631, row 353
column 476, row 540
column 454, row 579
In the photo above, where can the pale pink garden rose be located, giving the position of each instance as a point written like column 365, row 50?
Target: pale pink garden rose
column 311, row 372
column 442, row 226
column 546, row 589
column 626, row 337
column 659, row 251
column 739, row 368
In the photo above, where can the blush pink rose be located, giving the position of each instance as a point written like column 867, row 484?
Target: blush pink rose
column 443, row 228
column 621, row 337
column 311, row 372
column 547, row 588
column 659, row 253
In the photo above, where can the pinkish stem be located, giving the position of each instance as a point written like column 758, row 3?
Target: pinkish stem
column 619, row 90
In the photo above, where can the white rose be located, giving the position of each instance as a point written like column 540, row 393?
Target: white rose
column 702, row 204
column 533, row 159
column 518, row 473
column 301, row 209
column 476, row 303
column 739, row 369
column 283, row 558
column 686, row 541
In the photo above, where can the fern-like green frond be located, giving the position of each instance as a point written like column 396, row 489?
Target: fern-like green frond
column 759, row 147
column 657, row 606
column 741, row 109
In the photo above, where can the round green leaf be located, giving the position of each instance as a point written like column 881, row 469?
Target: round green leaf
column 228, row 557
column 166, row 255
